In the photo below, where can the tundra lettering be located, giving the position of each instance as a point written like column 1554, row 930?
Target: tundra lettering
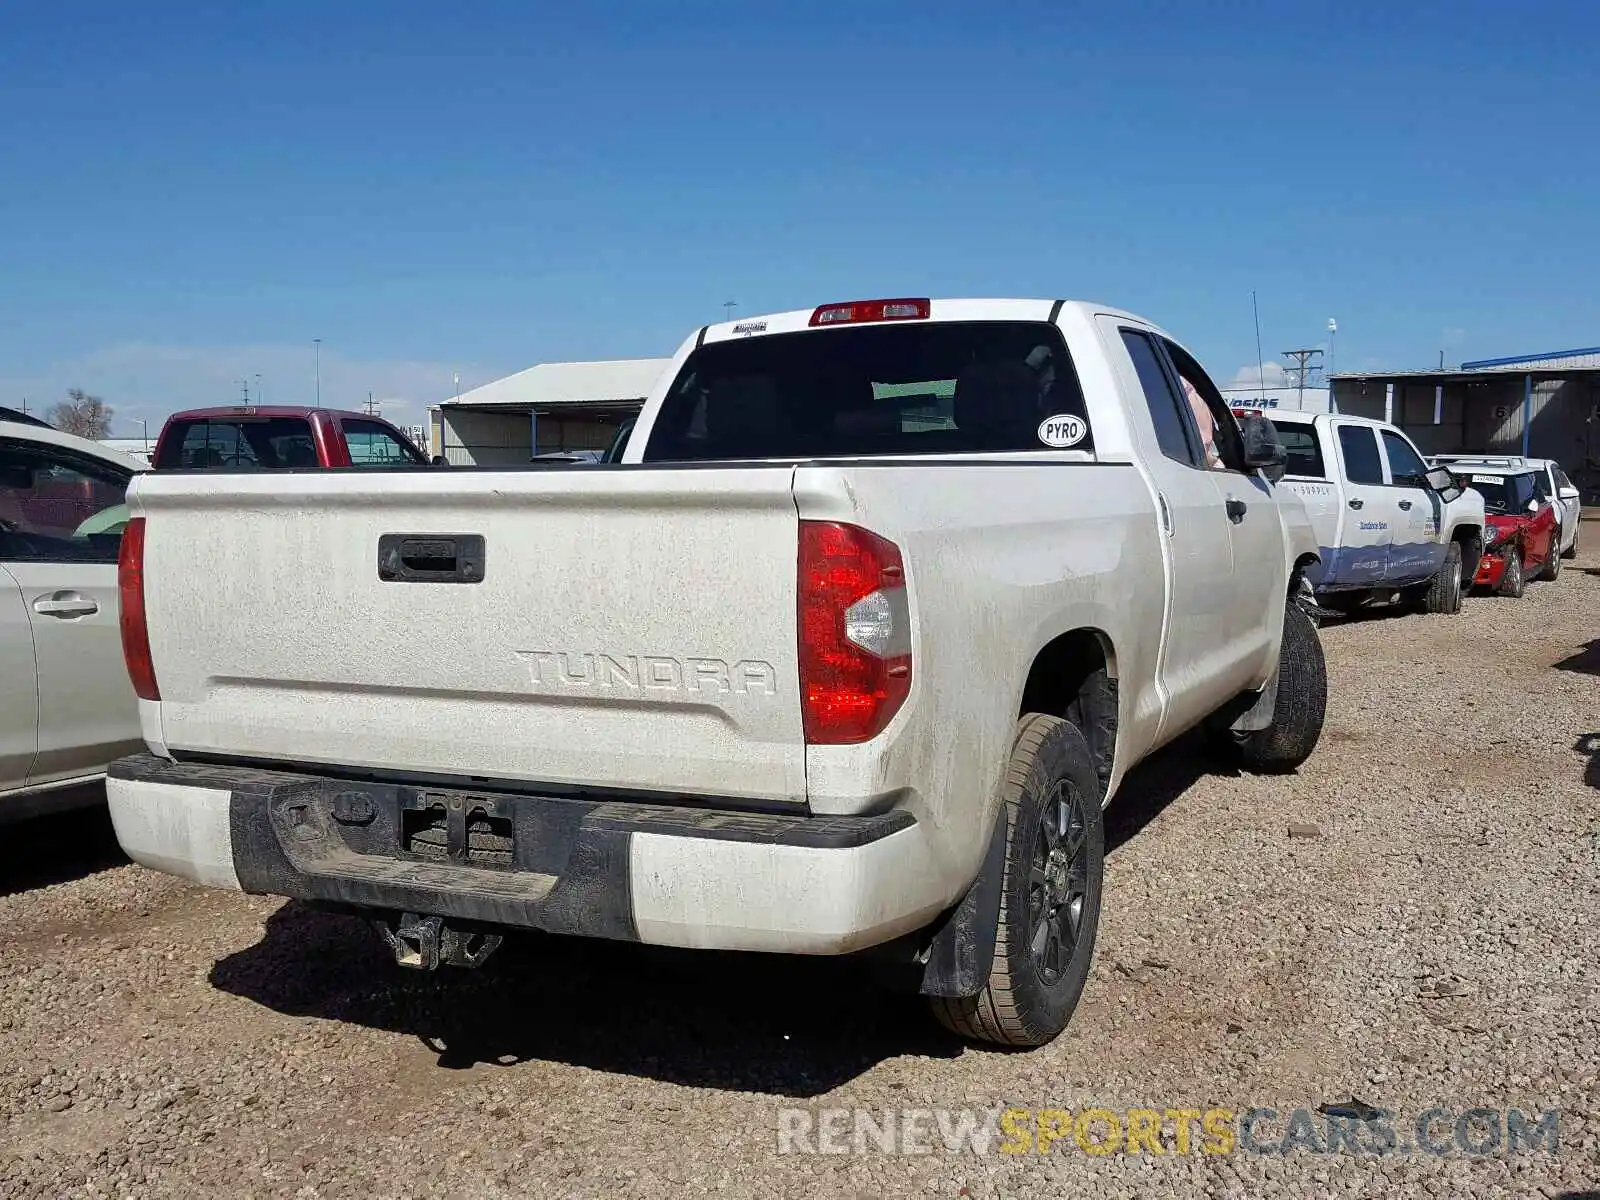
column 565, row 669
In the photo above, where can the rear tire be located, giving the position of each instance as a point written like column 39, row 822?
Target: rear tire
column 1552, row 569
column 1049, row 894
column 1513, row 583
column 1444, row 593
column 1301, row 705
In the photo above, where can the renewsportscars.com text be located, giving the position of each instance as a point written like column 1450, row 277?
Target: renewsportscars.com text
column 1326, row 1129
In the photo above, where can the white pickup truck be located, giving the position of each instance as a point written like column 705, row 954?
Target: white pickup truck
column 1389, row 527
column 846, row 654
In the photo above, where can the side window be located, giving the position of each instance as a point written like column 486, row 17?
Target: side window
column 1359, row 446
column 1175, row 432
column 1541, row 485
column 215, row 444
column 1405, row 464
column 57, row 506
column 1305, row 451
column 1226, row 451
column 371, row 445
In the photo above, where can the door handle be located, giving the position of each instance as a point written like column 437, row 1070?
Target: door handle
column 1357, row 503
column 64, row 605
column 1406, row 504
column 1236, row 510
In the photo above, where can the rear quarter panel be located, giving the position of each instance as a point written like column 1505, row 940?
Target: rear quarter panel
column 1001, row 558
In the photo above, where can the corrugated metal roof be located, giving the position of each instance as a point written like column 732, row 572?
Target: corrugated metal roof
column 551, row 384
column 1586, row 358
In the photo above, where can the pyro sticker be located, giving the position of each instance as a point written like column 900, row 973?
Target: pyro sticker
column 1062, row 430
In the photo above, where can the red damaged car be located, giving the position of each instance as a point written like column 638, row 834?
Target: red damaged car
column 1519, row 536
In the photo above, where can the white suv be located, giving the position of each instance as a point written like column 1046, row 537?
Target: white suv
column 69, row 707
column 1550, row 483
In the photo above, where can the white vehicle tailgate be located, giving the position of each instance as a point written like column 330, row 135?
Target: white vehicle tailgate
column 629, row 626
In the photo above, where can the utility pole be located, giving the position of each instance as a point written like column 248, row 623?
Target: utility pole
column 372, row 406
column 1301, row 368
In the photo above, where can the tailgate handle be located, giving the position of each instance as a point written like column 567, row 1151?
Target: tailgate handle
column 430, row 557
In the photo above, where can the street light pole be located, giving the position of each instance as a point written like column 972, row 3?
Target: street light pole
column 317, row 342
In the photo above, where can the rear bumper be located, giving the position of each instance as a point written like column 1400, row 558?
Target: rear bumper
column 664, row 875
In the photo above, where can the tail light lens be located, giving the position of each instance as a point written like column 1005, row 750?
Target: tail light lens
column 855, row 633
column 130, row 603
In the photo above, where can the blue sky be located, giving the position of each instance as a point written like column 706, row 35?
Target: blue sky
column 191, row 195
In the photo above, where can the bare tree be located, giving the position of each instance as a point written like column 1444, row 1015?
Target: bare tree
column 85, row 415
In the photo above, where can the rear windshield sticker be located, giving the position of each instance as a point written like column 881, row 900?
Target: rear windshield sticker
column 1062, row 430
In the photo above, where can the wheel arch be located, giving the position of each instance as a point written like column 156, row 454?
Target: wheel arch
column 1074, row 676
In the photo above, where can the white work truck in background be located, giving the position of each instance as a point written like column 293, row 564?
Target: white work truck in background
column 846, row 654
column 1389, row 527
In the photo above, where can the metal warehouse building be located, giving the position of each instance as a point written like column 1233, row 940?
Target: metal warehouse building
column 547, row 408
column 1544, row 405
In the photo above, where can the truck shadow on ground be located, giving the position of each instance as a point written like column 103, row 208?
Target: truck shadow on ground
column 749, row 1023
column 1584, row 662
column 41, row 851
column 792, row 1027
column 1154, row 784
column 1589, row 744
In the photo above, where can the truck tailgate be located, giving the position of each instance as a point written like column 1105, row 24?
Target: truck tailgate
column 624, row 625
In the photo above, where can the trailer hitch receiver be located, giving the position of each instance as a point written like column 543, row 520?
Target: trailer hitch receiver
column 425, row 943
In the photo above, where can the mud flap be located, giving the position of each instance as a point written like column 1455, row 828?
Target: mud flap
column 1259, row 715
column 962, row 951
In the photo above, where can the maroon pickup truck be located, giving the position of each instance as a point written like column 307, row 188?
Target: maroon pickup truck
column 282, row 437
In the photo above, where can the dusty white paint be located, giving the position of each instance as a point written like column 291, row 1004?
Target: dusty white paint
column 637, row 629
column 183, row 831
column 703, row 893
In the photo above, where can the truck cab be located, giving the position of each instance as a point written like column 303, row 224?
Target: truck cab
column 280, row 437
column 1388, row 525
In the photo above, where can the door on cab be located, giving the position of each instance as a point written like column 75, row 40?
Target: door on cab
column 1416, row 549
column 1361, row 558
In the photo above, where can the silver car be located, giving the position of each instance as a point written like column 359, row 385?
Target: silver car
column 67, row 708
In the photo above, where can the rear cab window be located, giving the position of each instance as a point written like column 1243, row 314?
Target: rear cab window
column 1305, row 449
column 240, row 443
column 1358, row 445
column 875, row 390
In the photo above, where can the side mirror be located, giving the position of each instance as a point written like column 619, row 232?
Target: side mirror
column 1443, row 482
column 1263, row 451
column 1570, row 493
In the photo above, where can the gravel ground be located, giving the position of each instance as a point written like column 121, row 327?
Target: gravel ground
column 1431, row 942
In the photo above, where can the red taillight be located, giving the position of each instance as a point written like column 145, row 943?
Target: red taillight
column 859, row 311
column 130, row 601
column 855, row 633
